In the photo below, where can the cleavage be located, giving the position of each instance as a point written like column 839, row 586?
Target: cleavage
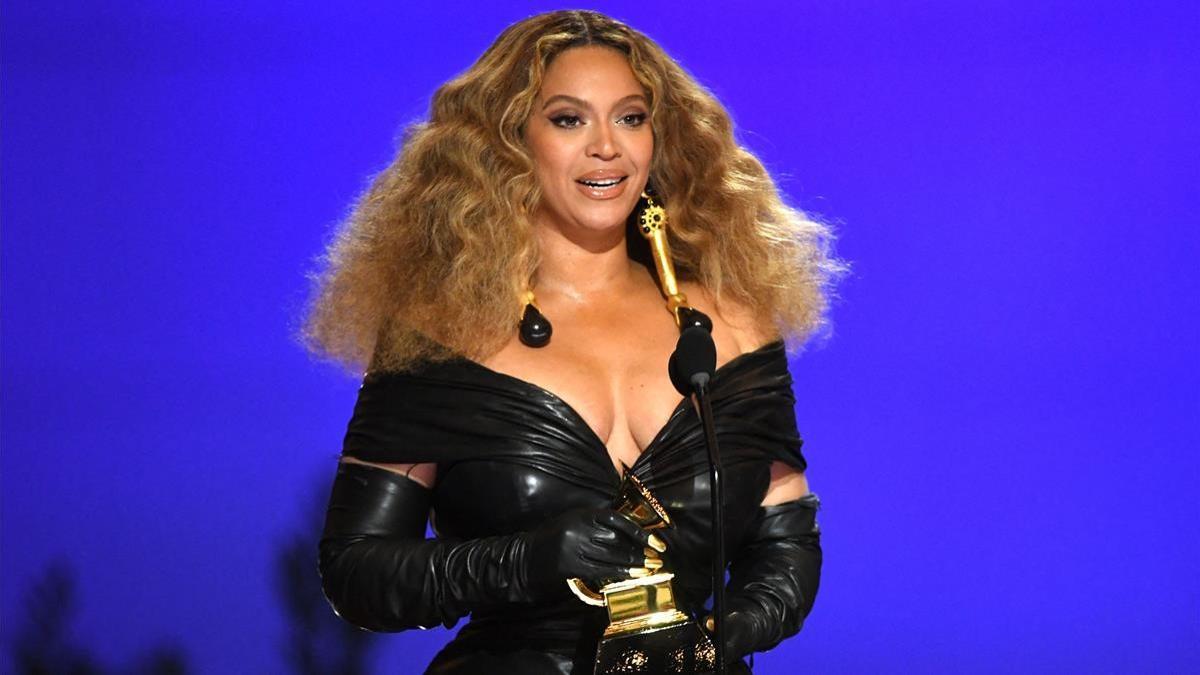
column 623, row 409
column 625, row 416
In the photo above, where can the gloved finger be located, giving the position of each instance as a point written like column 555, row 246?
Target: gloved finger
column 634, row 532
column 600, row 564
column 614, row 554
column 624, row 526
column 619, row 548
column 603, row 573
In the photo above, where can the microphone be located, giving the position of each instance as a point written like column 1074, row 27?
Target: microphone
column 692, row 367
column 693, row 362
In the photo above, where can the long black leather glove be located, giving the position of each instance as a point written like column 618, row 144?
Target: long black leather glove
column 774, row 577
column 380, row 573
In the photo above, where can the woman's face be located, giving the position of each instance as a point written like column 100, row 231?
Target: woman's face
column 589, row 133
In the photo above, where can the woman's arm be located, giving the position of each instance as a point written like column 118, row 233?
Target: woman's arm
column 787, row 484
column 424, row 474
column 379, row 572
column 774, row 576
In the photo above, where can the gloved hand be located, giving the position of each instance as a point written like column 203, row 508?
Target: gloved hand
column 596, row 545
column 774, row 578
column 380, row 573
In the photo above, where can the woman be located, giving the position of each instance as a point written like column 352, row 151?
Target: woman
column 505, row 215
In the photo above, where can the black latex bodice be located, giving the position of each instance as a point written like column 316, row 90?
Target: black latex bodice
column 511, row 454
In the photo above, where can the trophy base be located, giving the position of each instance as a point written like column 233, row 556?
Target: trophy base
column 677, row 647
column 644, row 623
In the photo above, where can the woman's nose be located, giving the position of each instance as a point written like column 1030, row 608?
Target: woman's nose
column 603, row 143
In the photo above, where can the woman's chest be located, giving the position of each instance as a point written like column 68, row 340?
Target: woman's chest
column 486, row 497
column 619, row 389
column 614, row 379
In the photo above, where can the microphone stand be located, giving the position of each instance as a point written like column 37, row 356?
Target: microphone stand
column 696, row 347
column 717, row 494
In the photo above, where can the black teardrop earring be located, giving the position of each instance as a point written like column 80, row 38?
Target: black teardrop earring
column 535, row 328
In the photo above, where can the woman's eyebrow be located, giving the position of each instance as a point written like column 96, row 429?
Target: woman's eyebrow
column 584, row 104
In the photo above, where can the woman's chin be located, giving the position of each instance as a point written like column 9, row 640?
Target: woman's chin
column 600, row 231
column 591, row 225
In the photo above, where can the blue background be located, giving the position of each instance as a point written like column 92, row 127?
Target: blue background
column 1003, row 426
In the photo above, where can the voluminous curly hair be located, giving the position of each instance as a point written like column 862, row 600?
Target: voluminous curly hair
column 435, row 256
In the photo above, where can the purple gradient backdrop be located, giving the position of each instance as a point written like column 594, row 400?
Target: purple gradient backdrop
column 1003, row 426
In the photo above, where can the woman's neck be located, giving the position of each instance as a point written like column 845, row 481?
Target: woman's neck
column 581, row 270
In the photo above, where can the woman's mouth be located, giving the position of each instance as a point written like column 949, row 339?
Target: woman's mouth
column 602, row 188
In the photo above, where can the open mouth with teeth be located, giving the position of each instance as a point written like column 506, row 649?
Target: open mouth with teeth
column 601, row 184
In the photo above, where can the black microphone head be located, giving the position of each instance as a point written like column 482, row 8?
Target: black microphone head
column 695, row 354
column 678, row 379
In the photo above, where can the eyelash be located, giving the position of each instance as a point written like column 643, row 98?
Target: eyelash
column 567, row 121
column 640, row 119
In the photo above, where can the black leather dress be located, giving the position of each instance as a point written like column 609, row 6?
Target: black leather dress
column 511, row 454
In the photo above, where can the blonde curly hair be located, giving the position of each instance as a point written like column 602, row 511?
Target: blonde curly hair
column 435, row 256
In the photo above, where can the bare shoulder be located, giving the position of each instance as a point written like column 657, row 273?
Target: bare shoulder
column 738, row 329
column 423, row 474
column 732, row 320
column 787, row 484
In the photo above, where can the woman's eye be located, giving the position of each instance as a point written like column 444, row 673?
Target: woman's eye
column 566, row 121
column 634, row 119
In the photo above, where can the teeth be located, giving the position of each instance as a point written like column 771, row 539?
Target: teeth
column 602, row 183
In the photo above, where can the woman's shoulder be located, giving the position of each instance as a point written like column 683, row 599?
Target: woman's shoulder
column 737, row 328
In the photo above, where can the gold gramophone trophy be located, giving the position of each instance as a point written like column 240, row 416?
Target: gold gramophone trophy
column 646, row 631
